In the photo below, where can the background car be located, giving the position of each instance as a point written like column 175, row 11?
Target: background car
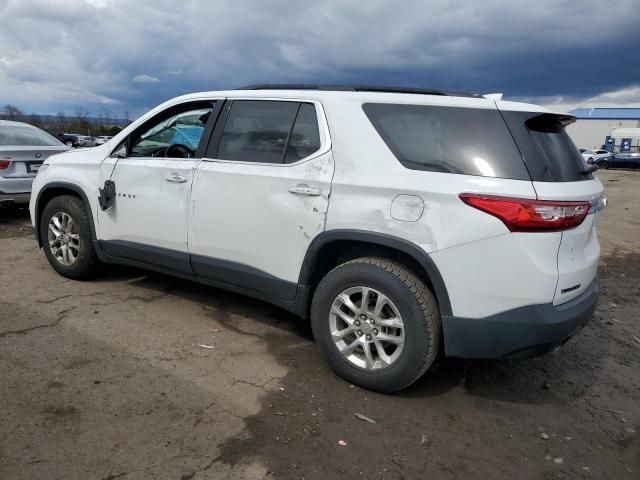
column 102, row 139
column 594, row 156
column 69, row 139
column 23, row 148
column 86, row 141
column 621, row 160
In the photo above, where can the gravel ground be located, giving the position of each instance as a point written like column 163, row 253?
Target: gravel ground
column 138, row 375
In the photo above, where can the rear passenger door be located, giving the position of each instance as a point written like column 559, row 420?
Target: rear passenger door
column 260, row 195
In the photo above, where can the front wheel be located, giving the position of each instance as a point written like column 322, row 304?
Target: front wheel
column 376, row 323
column 65, row 234
column 603, row 164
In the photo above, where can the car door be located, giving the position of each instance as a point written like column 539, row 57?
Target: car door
column 260, row 195
column 152, row 172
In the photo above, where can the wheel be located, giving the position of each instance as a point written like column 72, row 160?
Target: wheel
column 65, row 233
column 376, row 323
column 603, row 164
column 69, row 143
column 590, row 159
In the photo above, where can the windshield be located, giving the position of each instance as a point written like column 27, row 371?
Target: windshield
column 26, row 136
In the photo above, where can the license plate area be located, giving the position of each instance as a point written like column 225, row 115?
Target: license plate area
column 33, row 167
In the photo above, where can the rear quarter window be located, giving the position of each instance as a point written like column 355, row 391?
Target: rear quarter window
column 467, row 141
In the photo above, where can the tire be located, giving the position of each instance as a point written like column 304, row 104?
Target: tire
column 603, row 164
column 590, row 159
column 68, row 144
column 86, row 261
column 412, row 300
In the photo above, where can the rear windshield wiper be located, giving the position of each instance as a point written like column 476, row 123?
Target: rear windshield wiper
column 589, row 169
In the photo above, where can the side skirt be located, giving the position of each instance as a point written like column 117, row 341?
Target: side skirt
column 230, row 276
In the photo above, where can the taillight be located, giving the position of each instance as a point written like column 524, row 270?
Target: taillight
column 4, row 164
column 526, row 215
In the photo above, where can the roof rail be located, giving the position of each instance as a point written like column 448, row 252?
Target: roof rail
column 359, row 88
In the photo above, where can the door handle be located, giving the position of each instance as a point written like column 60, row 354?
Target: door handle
column 175, row 178
column 304, row 189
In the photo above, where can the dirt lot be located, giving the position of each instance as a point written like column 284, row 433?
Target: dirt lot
column 139, row 375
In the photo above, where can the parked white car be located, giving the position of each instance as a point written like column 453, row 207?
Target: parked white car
column 102, row 139
column 593, row 156
column 401, row 221
column 85, row 141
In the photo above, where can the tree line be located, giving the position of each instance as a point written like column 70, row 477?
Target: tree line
column 81, row 122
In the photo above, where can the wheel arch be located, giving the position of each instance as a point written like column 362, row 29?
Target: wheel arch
column 56, row 189
column 333, row 247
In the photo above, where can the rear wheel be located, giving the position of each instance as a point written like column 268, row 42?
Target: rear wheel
column 376, row 323
column 603, row 164
column 65, row 234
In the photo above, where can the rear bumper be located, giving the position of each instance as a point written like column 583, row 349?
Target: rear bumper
column 14, row 198
column 523, row 332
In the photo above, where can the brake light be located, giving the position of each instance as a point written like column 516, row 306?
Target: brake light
column 4, row 164
column 527, row 215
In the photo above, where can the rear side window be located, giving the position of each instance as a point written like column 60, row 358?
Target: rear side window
column 548, row 151
column 269, row 132
column 26, row 137
column 305, row 136
column 468, row 141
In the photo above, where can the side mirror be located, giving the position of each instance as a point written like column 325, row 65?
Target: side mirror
column 120, row 152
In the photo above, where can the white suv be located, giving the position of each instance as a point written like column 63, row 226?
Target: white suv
column 402, row 222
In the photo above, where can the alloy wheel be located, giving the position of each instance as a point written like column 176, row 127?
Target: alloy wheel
column 366, row 328
column 63, row 235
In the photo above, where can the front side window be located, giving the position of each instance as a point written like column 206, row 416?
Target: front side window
column 268, row 131
column 176, row 134
column 467, row 141
column 26, row 136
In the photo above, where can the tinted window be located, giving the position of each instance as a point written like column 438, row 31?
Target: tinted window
column 548, row 151
column 26, row 136
column 305, row 136
column 257, row 131
column 466, row 141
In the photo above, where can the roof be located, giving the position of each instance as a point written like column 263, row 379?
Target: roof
column 360, row 88
column 607, row 113
column 15, row 124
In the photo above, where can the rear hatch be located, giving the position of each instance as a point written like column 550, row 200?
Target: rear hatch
column 559, row 173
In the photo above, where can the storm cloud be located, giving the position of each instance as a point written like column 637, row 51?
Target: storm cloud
column 127, row 54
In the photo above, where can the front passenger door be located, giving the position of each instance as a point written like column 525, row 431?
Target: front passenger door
column 148, row 220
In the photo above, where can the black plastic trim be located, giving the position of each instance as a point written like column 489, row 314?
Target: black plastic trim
column 172, row 260
column 222, row 273
column 385, row 240
column 218, row 105
column 243, row 276
column 68, row 186
column 360, row 88
column 522, row 332
column 216, row 136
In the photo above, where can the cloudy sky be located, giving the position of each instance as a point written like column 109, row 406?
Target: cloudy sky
column 56, row 55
